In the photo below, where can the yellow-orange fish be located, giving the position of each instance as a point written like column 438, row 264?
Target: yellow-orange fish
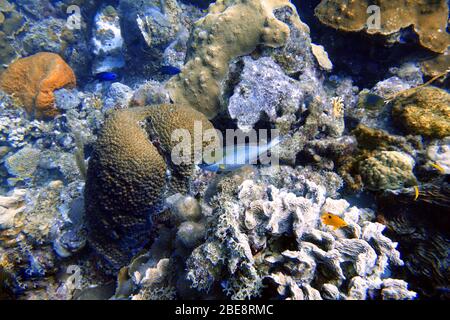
column 333, row 220
column 438, row 167
column 416, row 190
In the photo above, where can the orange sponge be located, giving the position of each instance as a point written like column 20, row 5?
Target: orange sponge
column 33, row 79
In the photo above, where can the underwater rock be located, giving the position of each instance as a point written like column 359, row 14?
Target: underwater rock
column 150, row 93
column 118, row 96
column 33, row 79
column 27, row 242
column 151, row 26
column 10, row 206
column 428, row 19
column 158, row 22
column 211, row 49
column 70, row 44
column 424, row 111
column 175, row 54
column 387, row 170
column 107, row 41
column 437, row 65
column 322, row 57
column 263, row 88
column 67, row 99
column 60, row 165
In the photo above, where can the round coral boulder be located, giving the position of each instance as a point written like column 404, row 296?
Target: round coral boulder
column 33, row 79
column 426, row 111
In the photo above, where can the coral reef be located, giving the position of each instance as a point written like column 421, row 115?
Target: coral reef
column 125, row 178
column 267, row 240
column 107, row 192
column 424, row 111
column 428, row 18
column 11, row 24
column 118, row 96
column 439, row 154
column 150, row 93
column 263, row 88
column 437, row 65
column 30, row 224
column 32, row 80
column 22, row 165
column 166, row 123
column 387, row 170
column 214, row 44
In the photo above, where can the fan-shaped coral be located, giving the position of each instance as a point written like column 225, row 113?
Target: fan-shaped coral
column 33, row 79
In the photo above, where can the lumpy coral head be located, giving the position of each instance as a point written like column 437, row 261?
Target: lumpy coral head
column 428, row 18
column 164, row 120
column 125, row 181
column 33, row 79
column 232, row 28
column 425, row 111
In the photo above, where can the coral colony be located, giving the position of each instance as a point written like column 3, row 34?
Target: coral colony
column 236, row 149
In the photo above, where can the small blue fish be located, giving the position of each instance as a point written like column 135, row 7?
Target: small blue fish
column 238, row 156
column 170, row 70
column 107, row 76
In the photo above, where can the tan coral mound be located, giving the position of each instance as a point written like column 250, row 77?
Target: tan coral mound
column 33, row 79
column 232, row 28
column 425, row 111
column 164, row 120
column 127, row 176
column 125, row 179
column 387, row 170
column 428, row 17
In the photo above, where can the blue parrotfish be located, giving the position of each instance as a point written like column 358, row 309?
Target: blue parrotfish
column 238, row 156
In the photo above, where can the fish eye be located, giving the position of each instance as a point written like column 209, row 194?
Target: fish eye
column 329, row 217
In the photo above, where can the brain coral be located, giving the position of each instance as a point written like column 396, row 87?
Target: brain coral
column 387, row 170
column 163, row 120
column 428, row 17
column 33, row 79
column 424, row 111
column 232, row 28
column 127, row 177
column 125, row 180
